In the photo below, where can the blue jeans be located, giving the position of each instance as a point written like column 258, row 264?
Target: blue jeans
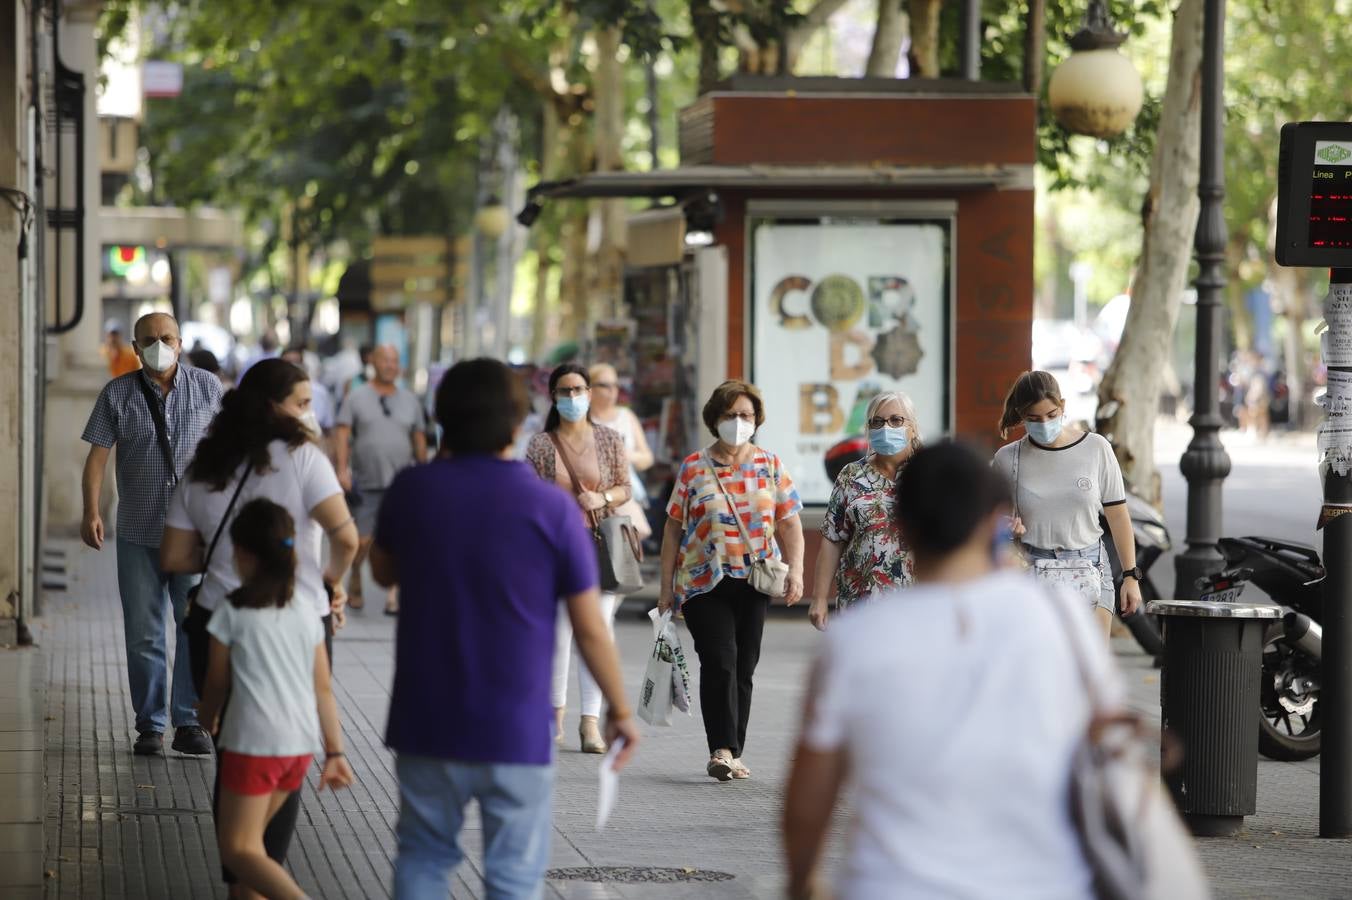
column 516, row 806
column 146, row 594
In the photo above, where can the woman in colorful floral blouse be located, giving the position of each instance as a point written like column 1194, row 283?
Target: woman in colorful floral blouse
column 862, row 551
column 734, row 504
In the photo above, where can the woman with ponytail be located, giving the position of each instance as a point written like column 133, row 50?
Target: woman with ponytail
column 261, row 444
column 267, row 655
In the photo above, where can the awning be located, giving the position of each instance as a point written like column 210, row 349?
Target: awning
column 683, row 181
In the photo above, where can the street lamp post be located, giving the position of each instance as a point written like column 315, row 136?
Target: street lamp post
column 1205, row 464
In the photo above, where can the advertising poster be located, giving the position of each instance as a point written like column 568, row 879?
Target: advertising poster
column 841, row 311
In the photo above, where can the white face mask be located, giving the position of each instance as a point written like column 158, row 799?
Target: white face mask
column 311, row 422
column 735, row 432
column 159, row 356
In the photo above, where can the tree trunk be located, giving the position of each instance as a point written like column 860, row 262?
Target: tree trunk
column 1129, row 394
column 606, row 295
column 544, row 234
column 704, row 18
column 924, row 55
column 888, row 36
column 1035, row 47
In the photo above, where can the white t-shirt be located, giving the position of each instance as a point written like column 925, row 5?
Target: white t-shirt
column 298, row 480
column 959, row 707
column 1062, row 490
column 272, row 709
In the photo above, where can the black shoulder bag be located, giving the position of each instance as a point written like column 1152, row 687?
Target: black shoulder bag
column 161, row 430
column 195, row 620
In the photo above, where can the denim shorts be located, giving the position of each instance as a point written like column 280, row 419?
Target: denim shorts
column 1107, row 598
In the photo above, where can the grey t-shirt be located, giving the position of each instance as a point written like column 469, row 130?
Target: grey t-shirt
column 1061, row 490
column 382, row 433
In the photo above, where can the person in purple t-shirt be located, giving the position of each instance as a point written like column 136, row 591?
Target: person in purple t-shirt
column 481, row 549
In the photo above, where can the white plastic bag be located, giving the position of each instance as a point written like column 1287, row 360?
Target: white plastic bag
column 666, row 669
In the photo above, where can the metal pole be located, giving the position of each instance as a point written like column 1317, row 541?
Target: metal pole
column 971, row 40
column 1335, row 770
column 1205, row 464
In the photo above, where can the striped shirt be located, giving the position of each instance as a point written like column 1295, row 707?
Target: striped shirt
column 122, row 419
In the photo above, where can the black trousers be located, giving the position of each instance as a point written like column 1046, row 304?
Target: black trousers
column 277, row 836
column 727, row 624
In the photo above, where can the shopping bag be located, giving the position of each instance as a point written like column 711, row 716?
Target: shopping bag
column 654, row 699
column 664, row 630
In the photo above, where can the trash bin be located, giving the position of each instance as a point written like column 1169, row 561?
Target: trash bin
column 1209, row 700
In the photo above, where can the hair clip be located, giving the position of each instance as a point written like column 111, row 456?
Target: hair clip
column 288, row 542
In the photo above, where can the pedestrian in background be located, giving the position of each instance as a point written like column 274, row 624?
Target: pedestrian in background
column 261, row 445
column 862, row 551
column 607, row 411
column 1065, row 479
column 154, row 416
column 380, row 430
column 734, row 503
column 119, row 355
column 470, row 711
column 590, row 462
column 268, row 656
column 973, row 801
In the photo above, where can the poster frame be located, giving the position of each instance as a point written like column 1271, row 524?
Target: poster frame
column 937, row 211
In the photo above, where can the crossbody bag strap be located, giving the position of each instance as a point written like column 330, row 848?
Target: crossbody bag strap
column 161, row 430
column 572, row 474
column 732, row 505
column 225, row 517
column 1018, row 447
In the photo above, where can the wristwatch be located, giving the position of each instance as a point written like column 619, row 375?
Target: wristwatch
column 1133, row 572
column 605, row 495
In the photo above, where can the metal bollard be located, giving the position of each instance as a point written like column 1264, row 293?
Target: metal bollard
column 1209, row 700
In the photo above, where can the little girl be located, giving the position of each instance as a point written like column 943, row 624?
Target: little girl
column 267, row 657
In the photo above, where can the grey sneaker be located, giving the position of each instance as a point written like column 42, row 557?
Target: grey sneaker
column 192, row 740
column 148, row 743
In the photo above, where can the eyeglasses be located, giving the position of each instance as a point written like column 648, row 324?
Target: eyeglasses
column 149, row 340
column 385, row 406
column 745, row 417
column 606, row 385
column 890, row 422
column 576, row 391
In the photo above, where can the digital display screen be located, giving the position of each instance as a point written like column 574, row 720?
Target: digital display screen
column 1331, row 196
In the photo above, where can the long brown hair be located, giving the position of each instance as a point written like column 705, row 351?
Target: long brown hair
column 249, row 420
column 1029, row 389
column 266, row 532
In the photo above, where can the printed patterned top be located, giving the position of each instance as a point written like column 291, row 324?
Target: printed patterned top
column 609, row 458
column 711, row 543
column 859, row 516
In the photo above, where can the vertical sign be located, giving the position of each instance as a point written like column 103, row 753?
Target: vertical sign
column 843, row 310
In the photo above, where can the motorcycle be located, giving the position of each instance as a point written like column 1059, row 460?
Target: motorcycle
column 1292, row 575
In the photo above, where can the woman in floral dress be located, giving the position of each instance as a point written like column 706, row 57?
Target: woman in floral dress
column 862, row 552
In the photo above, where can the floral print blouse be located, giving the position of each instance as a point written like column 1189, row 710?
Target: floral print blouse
column 859, row 517
column 711, row 542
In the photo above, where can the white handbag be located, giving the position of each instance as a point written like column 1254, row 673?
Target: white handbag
column 768, row 575
column 1078, row 575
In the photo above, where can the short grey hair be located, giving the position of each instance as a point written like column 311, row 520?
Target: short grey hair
column 907, row 409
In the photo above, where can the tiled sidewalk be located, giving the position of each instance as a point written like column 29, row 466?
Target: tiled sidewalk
column 123, row 826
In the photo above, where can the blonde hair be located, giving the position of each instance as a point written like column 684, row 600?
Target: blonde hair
column 907, row 410
column 1029, row 389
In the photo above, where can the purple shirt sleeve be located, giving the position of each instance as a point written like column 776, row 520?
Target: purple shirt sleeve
column 577, row 571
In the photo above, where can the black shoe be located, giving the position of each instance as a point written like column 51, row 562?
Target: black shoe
column 192, row 740
column 148, row 743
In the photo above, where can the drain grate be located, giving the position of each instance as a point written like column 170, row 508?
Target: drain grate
column 635, row 875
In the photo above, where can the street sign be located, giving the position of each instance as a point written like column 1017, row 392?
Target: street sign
column 418, row 269
column 1314, row 195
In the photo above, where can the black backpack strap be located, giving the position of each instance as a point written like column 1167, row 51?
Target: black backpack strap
column 161, row 431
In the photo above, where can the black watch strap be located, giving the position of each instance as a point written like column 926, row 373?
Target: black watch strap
column 1133, row 572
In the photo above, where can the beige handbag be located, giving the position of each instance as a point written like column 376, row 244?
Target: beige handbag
column 768, row 575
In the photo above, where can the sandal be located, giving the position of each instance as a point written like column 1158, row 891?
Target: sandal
column 720, row 766
column 739, row 770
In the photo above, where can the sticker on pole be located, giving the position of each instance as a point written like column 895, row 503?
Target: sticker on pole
column 1330, row 511
column 1335, row 344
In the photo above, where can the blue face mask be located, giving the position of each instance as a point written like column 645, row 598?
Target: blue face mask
column 1044, row 433
column 574, row 409
column 888, row 441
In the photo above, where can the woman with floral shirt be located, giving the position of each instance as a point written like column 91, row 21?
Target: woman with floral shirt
column 862, row 551
column 734, row 504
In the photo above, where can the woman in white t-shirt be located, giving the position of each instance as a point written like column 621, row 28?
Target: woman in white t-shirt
column 606, row 410
column 1063, row 479
column 264, row 436
column 973, row 802
column 267, row 654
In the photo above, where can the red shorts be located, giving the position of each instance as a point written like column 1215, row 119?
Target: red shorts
column 254, row 775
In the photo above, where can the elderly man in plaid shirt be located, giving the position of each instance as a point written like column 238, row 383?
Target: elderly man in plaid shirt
column 154, row 417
